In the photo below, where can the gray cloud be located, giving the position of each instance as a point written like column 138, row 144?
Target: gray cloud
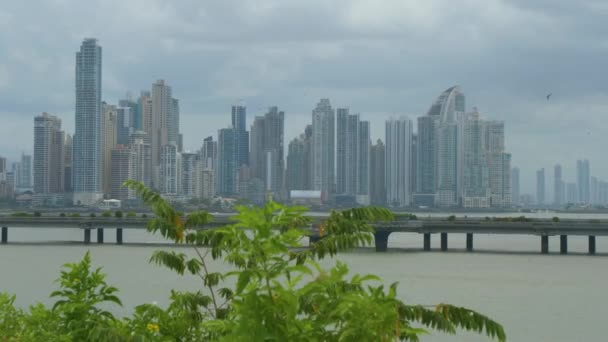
column 378, row 57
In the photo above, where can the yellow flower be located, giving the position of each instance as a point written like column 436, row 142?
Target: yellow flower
column 153, row 327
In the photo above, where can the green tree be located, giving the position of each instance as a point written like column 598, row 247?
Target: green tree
column 280, row 291
column 106, row 214
column 118, row 214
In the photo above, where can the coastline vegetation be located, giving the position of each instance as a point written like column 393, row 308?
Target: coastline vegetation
column 275, row 291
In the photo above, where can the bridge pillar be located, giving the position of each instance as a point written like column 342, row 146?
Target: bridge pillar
column 563, row 244
column 313, row 239
column 119, row 236
column 87, row 236
column 99, row 235
column 444, row 241
column 4, row 235
column 544, row 244
column 381, row 241
column 427, row 241
column 469, row 242
column 591, row 244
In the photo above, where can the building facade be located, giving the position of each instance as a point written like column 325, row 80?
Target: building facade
column 48, row 155
column 323, row 147
column 398, row 162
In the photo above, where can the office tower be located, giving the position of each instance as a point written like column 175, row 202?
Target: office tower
column 341, row 146
column 208, row 180
column 142, row 168
column 192, row 173
column 110, row 124
column 124, row 125
column 571, row 193
column 323, row 147
column 477, row 192
column 377, row 174
column 48, row 155
column 540, row 186
column 173, row 134
column 582, row 180
column 603, row 193
column 363, row 163
column 164, row 123
column 500, row 165
column 558, row 186
column 427, row 155
column 2, row 169
column 515, row 186
column 67, row 164
column 88, row 137
column 209, row 153
column 170, row 170
column 267, row 145
column 123, row 161
column 299, row 162
column 23, row 174
column 226, row 171
column 241, row 136
column 136, row 117
column 144, row 107
column 593, row 191
column 398, row 161
column 414, row 171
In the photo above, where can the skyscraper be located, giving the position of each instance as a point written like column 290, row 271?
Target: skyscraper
column 88, row 137
column 594, row 191
column 274, row 127
column 323, row 147
column 363, row 163
column 515, row 185
column 427, row 155
column 110, row 138
column 582, row 180
column 23, row 178
column 170, row 170
column 136, row 117
column 500, row 165
column 241, row 136
column 192, row 173
column 209, row 153
column 398, row 161
column 142, row 168
column 67, row 163
column 377, row 174
column 477, row 191
column 299, row 169
column 144, row 107
column 162, row 112
column 124, row 125
column 123, row 161
column 540, row 186
column 341, row 146
column 558, row 186
column 226, row 175
column 48, row 155
column 571, row 193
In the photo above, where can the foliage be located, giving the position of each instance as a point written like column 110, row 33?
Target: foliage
column 118, row 214
column 452, row 218
column 75, row 215
column 144, row 215
column 62, row 215
column 131, row 214
column 555, row 219
column 106, row 214
column 37, row 214
column 21, row 214
column 93, row 215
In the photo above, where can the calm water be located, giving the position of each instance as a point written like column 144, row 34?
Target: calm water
column 536, row 297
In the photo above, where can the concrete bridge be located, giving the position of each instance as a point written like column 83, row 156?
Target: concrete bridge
column 544, row 228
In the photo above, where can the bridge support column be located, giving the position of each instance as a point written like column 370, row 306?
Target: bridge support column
column 469, row 242
column 591, row 244
column 544, row 244
column 427, row 241
column 444, row 241
column 313, row 239
column 99, row 235
column 563, row 244
column 87, row 236
column 4, row 235
column 119, row 236
column 381, row 241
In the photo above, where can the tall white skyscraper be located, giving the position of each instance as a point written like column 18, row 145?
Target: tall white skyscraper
column 88, row 137
column 165, row 124
column 170, row 170
column 323, row 147
column 398, row 162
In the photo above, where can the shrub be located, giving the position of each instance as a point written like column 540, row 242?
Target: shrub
column 92, row 215
column 75, row 215
column 452, row 218
column 21, row 214
column 62, row 215
column 118, row 214
column 37, row 214
column 555, row 219
column 131, row 214
column 106, row 214
column 144, row 215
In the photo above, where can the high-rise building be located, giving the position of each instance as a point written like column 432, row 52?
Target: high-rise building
column 110, row 124
column 123, row 161
column 559, row 194
column 124, row 125
column 170, row 170
column 2, row 169
column 142, row 168
column 398, row 162
column 192, row 173
column 67, row 164
column 136, row 117
column 24, row 176
column 299, row 168
column 144, row 107
column 515, row 186
column 500, row 179
column 363, row 163
column 48, row 155
column 208, row 180
column 341, row 146
column 571, row 193
column 594, row 191
column 352, row 155
column 582, row 180
column 323, row 147
column 377, row 174
column 603, row 192
column 540, row 186
column 427, row 154
column 164, row 125
column 241, row 136
column 173, row 135
column 267, row 156
column 226, row 175
column 209, row 153
column 477, row 189
column 88, row 137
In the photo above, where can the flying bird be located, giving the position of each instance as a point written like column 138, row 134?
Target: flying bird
column 548, row 96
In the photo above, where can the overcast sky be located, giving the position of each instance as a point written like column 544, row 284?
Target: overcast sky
column 379, row 58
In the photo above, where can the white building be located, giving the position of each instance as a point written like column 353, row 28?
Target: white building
column 398, row 162
column 170, row 170
column 323, row 147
